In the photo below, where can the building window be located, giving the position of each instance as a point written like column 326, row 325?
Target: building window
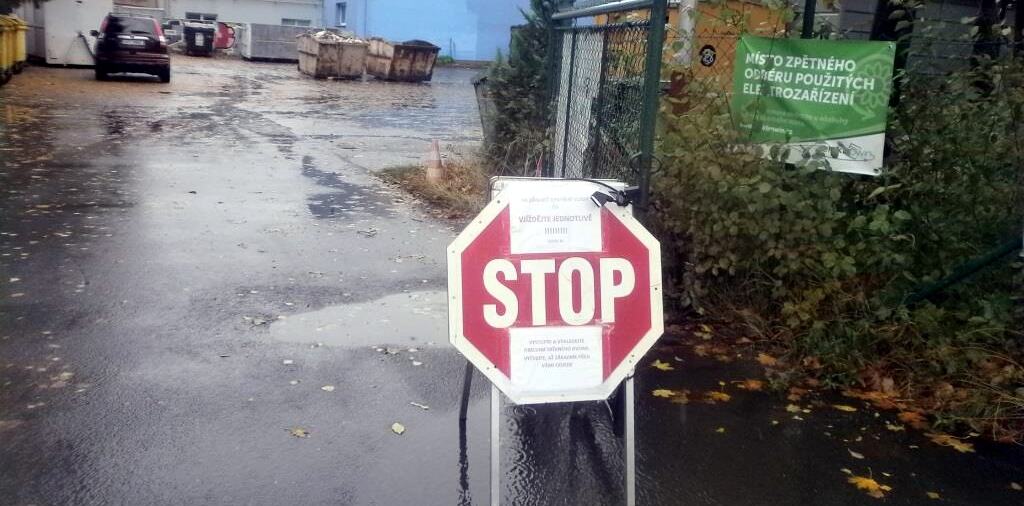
column 295, row 22
column 197, row 16
column 340, row 9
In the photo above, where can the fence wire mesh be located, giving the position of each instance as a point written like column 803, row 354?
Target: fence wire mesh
column 599, row 72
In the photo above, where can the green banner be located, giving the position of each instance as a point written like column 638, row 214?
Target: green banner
column 823, row 96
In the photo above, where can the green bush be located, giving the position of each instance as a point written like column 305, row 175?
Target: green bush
column 519, row 88
column 823, row 263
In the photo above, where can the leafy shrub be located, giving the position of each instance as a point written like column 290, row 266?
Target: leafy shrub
column 824, row 263
column 519, row 88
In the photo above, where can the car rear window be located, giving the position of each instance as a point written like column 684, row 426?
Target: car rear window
column 144, row 26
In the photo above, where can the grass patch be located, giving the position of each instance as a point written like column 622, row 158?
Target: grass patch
column 460, row 195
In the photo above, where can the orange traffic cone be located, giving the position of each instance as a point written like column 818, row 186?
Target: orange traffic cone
column 435, row 168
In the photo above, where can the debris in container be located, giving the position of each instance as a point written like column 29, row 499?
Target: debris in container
column 329, row 36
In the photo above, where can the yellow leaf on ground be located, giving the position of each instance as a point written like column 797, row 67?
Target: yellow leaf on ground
column 894, row 428
column 858, row 456
column 681, row 397
column 913, row 419
column 933, row 495
column 701, row 350
column 767, row 360
column 663, row 366
column 713, row 397
column 847, row 471
column 796, row 393
column 663, row 392
column 793, row 408
column 751, row 384
column 720, row 430
column 844, row 407
column 298, row 432
column 398, row 428
column 950, row 441
column 1016, row 486
column 872, row 487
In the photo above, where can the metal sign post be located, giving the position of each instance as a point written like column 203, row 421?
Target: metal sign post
column 630, row 440
column 495, row 446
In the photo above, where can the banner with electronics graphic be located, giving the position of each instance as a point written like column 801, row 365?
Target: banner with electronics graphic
column 822, row 99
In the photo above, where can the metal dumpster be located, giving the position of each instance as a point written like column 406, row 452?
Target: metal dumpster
column 199, row 37
column 20, row 55
column 326, row 54
column 411, row 61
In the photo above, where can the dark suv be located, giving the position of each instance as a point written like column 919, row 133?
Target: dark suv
column 131, row 44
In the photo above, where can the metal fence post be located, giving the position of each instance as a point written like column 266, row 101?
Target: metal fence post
column 568, row 106
column 651, row 92
column 810, row 8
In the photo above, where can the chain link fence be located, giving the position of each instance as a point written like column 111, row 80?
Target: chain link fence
column 597, row 109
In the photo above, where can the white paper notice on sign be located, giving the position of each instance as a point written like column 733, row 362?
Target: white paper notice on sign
column 556, row 358
column 557, row 217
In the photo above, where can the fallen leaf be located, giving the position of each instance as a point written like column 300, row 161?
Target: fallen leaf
column 872, row 487
column 767, row 360
column 298, row 432
column 859, row 456
column 720, row 430
column 847, row 471
column 663, row 366
column 327, row 388
column 950, row 441
column 894, row 428
column 913, row 419
column 713, row 397
column 796, row 393
column 417, row 363
column 844, row 407
column 750, row 384
column 421, row 406
column 701, row 350
column 933, row 495
column 793, row 408
column 663, row 392
column 1016, row 486
column 398, row 428
column 287, row 361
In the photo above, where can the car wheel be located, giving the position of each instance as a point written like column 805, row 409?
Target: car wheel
column 165, row 75
column 101, row 73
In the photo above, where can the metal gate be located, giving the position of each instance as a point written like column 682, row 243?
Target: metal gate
column 605, row 91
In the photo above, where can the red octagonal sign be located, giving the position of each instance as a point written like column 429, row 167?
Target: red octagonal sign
column 553, row 298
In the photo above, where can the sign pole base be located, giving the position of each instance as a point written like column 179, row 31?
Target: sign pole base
column 630, row 438
column 495, row 446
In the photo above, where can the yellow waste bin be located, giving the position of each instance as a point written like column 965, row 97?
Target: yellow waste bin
column 20, row 54
column 6, row 51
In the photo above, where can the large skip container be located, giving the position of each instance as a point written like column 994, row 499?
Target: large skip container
column 412, row 60
column 331, row 57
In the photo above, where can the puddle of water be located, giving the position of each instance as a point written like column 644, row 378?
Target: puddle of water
column 402, row 319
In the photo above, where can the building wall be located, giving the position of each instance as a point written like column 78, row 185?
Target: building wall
column 267, row 12
column 463, row 29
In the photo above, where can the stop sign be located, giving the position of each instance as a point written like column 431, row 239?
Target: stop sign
column 551, row 297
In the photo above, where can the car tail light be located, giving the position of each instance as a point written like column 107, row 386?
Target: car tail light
column 159, row 31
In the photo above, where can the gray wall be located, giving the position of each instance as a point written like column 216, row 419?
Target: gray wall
column 267, row 12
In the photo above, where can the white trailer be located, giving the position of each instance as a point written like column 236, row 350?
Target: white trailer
column 58, row 30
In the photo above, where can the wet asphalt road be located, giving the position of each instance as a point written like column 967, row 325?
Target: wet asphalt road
column 183, row 267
